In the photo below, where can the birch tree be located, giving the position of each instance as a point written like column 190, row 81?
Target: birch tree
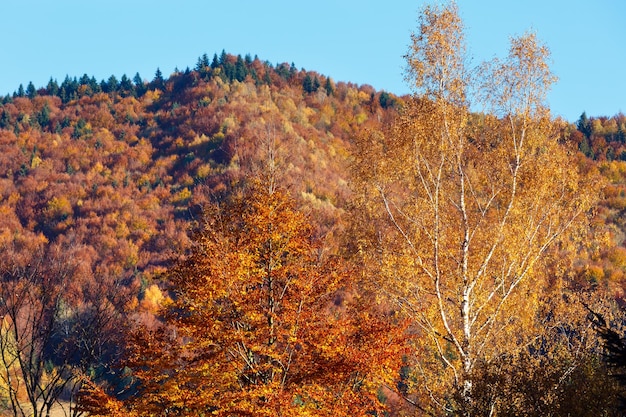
column 462, row 211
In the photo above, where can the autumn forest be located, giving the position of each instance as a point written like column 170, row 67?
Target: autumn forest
column 243, row 238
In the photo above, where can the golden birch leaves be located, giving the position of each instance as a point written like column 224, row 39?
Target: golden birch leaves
column 461, row 208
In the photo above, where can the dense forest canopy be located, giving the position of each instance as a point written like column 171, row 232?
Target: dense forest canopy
column 243, row 238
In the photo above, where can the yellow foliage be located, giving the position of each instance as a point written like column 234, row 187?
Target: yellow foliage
column 151, row 96
column 361, row 117
column 463, row 221
column 229, row 123
column 363, row 96
column 13, row 198
column 152, row 299
column 182, row 196
column 121, row 230
column 617, row 256
column 204, row 171
column 98, row 167
column 614, row 171
column 35, row 162
column 187, row 181
column 132, row 255
column 288, row 127
column 199, row 140
column 595, row 273
column 59, row 206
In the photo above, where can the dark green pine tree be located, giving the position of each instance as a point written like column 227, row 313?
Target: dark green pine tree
column 386, row 100
column 158, row 81
column 203, row 66
column 610, row 153
column 203, row 62
column 255, row 77
column 267, row 78
column 127, row 87
column 20, row 92
column 329, row 87
column 5, row 119
column 621, row 134
column 283, row 71
column 31, row 91
column 85, row 81
column 307, row 84
column 240, row 69
column 94, row 85
column 584, row 125
column 114, row 85
column 43, row 116
column 53, row 87
column 215, row 63
column 111, row 85
column 140, row 87
column 63, row 95
column 223, row 57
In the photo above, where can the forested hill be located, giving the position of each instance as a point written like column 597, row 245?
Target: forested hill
column 122, row 167
column 102, row 184
column 602, row 140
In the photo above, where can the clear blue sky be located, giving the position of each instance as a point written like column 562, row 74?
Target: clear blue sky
column 358, row 41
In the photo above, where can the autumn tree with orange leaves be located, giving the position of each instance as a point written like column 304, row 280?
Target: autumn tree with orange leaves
column 258, row 325
column 464, row 216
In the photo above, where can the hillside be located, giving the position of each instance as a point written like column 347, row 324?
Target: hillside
column 124, row 168
column 105, row 192
column 603, row 143
column 103, row 184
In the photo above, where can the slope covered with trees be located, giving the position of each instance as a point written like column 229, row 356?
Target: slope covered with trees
column 243, row 238
column 115, row 176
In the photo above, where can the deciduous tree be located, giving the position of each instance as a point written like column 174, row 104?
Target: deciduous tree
column 35, row 279
column 257, row 326
column 462, row 212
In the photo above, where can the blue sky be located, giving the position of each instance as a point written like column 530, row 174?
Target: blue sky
column 357, row 41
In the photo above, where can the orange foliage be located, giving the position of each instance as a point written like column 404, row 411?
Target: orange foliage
column 252, row 328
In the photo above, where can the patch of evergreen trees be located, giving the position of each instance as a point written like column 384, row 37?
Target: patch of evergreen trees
column 228, row 67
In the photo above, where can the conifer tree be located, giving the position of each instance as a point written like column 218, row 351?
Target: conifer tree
column 215, row 62
column 126, row 86
column 584, row 125
column 53, row 87
column 140, row 86
column 307, row 84
column 328, row 86
column 20, row 91
column 158, row 80
column 31, row 91
column 240, row 69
